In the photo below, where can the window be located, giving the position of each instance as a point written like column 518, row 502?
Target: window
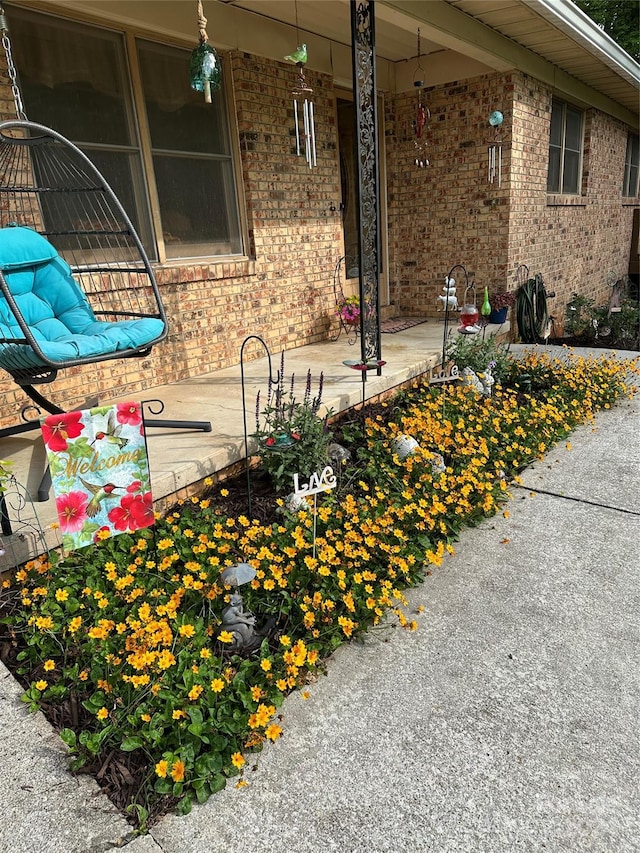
column 76, row 79
column 631, row 166
column 565, row 149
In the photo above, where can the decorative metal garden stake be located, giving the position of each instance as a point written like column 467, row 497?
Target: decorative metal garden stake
column 317, row 483
column 205, row 73
column 276, row 381
column 495, row 148
column 423, row 115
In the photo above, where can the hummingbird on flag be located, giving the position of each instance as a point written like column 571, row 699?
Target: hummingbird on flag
column 99, row 493
column 111, row 433
column 299, row 55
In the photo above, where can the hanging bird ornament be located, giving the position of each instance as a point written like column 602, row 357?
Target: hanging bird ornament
column 303, row 109
column 299, row 55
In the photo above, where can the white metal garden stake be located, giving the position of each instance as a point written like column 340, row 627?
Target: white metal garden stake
column 323, row 482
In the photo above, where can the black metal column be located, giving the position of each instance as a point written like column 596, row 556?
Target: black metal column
column 366, row 133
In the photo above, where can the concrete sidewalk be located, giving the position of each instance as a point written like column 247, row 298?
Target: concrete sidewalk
column 508, row 721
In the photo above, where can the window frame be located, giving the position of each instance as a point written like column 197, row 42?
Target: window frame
column 562, row 149
column 630, row 164
column 148, row 210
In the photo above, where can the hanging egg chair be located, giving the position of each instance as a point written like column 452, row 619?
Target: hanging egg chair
column 76, row 285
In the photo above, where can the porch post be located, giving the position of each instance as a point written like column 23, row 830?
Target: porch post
column 366, row 136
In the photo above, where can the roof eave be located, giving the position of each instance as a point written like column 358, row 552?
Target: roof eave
column 566, row 16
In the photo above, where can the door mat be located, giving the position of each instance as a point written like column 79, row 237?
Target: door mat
column 399, row 324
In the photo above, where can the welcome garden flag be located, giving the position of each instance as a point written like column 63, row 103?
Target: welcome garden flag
column 99, row 472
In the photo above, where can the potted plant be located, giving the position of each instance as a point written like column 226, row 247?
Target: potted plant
column 500, row 304
column 348, row 310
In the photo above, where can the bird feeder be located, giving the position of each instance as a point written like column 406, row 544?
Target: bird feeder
column 469, row 313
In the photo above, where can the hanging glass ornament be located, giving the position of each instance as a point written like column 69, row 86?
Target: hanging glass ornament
column 205, row 73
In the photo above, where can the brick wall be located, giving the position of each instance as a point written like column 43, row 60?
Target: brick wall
column 283, row 292
column 449, row 212
column 575, row 243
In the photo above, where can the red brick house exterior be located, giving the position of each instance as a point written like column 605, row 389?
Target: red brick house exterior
column 282, row 284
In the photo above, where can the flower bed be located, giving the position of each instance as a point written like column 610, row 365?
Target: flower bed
column 119, row 643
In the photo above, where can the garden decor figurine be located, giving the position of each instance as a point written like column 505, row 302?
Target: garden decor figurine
column 240, row 623
column 449, row 295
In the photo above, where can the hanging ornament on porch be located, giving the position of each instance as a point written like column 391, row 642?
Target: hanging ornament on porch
column 495, row 148
column 303, row 109
column 423, row 116
column 205, row 73
column 469, row 314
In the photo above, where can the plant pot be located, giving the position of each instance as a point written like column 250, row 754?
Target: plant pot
column 500, row 316
column 351, row 321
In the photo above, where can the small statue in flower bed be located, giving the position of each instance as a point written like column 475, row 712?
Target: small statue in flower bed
column 292, row 438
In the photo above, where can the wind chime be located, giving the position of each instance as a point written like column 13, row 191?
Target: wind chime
column 303, row 107
column 205, row 73
column 423, row 115
column 495, row 148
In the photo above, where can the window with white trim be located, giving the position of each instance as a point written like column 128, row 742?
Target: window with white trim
column 178, row 183
column 631, row 166
column 565, row 149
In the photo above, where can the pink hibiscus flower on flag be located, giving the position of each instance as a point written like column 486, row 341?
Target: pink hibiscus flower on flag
column 129, row 413
column 56, row 429
column 72, row 511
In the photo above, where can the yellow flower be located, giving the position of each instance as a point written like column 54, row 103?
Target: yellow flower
column 177, row 715
column 161, row 768
column 205, row 654
column 195, row 692
column 286, row 641
column 146, row 718
column 273, row 732
column 62, row 595
column 49, row 665
column 177, row 771
column 217, row 685
column 242, row 784
column 41, row 685
column 237, row 760
column 102, row 714
column 186, row 630
column 225, row 637
column 265, row 665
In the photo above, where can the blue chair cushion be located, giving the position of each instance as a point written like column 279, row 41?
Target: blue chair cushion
column 20, row 247
column 55, row 308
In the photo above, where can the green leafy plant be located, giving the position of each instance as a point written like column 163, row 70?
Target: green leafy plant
column 480, row 355
column 598, row 324
column 293, row 439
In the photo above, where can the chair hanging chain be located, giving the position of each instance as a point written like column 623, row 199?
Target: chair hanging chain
column 11, row 68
